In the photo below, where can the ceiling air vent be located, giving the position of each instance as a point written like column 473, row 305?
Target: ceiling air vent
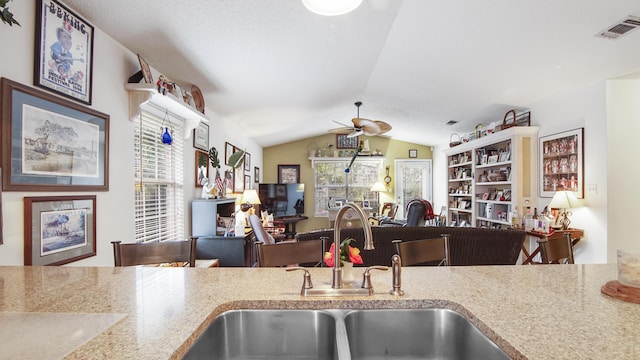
column 451, row 122
column 621, row 28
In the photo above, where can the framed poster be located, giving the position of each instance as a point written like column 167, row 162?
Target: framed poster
column 59, row 229
column 343, row 141
column 64, row 51
column 413, row 153
column 562, row 163
column 201, row 137
column 228, row 151
column 288, row 174
column 247, row 182
column 51, row 144
column 202, row 167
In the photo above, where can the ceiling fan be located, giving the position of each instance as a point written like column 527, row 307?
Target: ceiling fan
column 362, row 126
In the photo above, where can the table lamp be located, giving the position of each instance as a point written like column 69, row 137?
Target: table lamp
column 378, row 187
column 249, row 198
column 563, row 200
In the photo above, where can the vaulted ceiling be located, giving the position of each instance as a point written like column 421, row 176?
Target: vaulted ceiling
column 283, row 73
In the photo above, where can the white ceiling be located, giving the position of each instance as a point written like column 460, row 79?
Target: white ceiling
column 283, row 73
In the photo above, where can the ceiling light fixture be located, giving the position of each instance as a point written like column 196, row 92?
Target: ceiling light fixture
column 331, row 7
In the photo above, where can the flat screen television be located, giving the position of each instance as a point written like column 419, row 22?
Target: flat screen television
column 281, row 199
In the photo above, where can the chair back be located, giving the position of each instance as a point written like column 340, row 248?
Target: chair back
column 389, row 210
column 159, row 252
column 289, row 253
column 557, row 248
column 422, row 251
column 416, row 212
column 261, row 234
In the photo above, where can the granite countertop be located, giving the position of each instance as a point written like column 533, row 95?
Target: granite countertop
column 534, row 312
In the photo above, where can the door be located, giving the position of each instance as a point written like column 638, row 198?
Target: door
column 413, row 180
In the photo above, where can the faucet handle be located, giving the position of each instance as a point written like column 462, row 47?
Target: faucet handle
column 366, row 276
column 306, row 283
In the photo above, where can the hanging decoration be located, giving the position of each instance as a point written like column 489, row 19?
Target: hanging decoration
column 166, row 137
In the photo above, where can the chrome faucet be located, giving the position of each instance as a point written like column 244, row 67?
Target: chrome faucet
column 336, row 282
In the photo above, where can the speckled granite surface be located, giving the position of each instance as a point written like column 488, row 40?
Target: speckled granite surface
column 534, row 312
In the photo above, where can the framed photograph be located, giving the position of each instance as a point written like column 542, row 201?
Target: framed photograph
column 338, row 203
column 201, row 137
column 228, row 151
column 59, row 229
column 504, row 156
column 366, row 204
column 343, row 141
column 485, row 196
column 247, row 162
column 256, row 174
column 413, row 153
column 561, row 164
column 484, row 159
column 247, row 182
column 51, row 144
column 288, row 174
column 492, row 159
column 146, row 70
column 63, row 51
column 202, row 166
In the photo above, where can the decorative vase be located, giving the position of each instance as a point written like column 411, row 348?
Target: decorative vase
column 347, row 272
column 166, row 137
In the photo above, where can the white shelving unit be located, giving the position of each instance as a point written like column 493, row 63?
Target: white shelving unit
column 490, row 177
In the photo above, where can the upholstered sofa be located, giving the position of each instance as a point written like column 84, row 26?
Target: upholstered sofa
column 468, row 246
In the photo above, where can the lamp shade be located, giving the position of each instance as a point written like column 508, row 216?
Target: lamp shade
column 378, row 186
column 331, row 7
column 250, row 196
column 564, row 200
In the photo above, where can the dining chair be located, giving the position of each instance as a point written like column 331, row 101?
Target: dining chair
column 556, row 248
column 423, row 251
column 290, row 253
column 158, row 252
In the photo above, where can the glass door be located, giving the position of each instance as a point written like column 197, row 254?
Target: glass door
column 414, row 180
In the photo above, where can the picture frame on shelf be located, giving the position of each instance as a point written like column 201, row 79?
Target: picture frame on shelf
column 79, row 161
column 202, row 166
column 343, row 141
column 288, row 174
column 413, row 153
column 505, row 156
column 63, row 51
column 201, row 137
column 561, row 163
column 492, row 159
column 228, row 151
column 146, row 70
column 59, row 229
column 256, row 174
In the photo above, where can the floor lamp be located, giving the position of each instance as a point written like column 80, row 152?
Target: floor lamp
column 378, row 187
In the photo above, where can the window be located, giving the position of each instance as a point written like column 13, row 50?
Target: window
column 159, row 205
column 331, row 181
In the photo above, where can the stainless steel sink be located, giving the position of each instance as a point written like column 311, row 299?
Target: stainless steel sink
column 268, row 334
column 343, row 334
column 416, row 334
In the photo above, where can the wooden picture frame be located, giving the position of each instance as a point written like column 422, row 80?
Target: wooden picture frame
column 146, row 70
column 51, row 144
column 413, row 153
column 256, row 174
column 288, row 174
column 228, row 151
column 561, row 163
column 202, row 166
column 247, row 182
column 201, row 137
column 247, row 162
column 63, row 51
column 238, row 180
column 59, row 229
column 343, row 141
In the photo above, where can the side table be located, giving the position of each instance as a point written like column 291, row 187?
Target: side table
column 576, row 236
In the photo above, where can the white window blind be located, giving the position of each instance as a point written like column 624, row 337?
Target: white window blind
column 159, row 209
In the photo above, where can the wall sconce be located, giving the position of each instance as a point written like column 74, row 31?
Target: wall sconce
column 563, row 200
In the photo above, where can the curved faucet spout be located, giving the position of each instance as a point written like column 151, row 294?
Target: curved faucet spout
column 336, row 282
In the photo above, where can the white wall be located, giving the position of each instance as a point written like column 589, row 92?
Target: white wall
column 113, row 64
column 623, row 115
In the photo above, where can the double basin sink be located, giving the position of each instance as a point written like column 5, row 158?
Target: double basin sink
column 343, row 334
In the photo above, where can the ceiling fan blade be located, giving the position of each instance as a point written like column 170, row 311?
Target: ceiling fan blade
column 343, row 124
column 360, row 123
column 384, row 127
column 356, row 132
column 341, row 130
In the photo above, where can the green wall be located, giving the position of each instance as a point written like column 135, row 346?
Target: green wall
column 297, row 153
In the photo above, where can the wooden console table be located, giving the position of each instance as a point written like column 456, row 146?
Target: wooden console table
column 576, row 235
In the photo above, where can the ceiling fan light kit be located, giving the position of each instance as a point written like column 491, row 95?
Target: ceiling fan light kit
column 362, row 126
column 331, row 7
